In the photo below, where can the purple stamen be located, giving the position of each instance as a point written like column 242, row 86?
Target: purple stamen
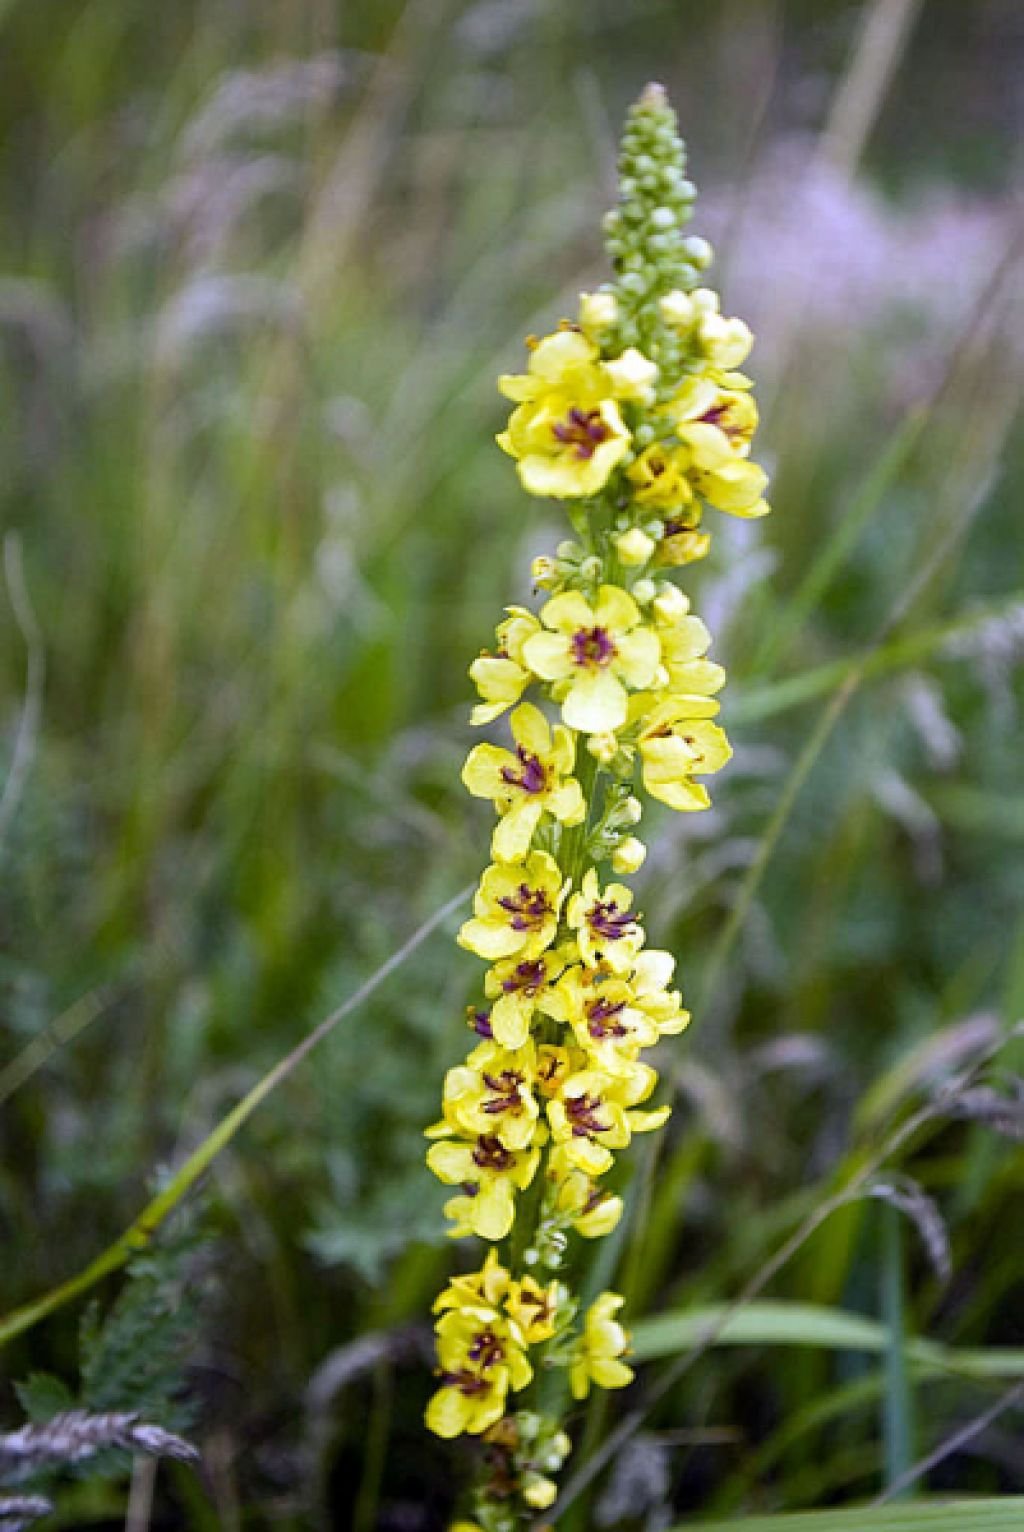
column 490, row 1153
column 592, row 647
column 506, row 1096
column 526, row 979
column 605, row 919
column 600, row 1014
column 582, row 1112
column 527, row 906
column 486, row 1349
column 532, row 777
column 582, row 429
column 480, row 1021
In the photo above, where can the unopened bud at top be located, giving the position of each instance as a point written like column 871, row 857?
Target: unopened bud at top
column 599, row 312
column 677, row 309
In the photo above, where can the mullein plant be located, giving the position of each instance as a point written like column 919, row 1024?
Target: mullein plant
column 635, row 417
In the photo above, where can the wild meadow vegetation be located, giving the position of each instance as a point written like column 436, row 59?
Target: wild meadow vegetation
column 261, row 268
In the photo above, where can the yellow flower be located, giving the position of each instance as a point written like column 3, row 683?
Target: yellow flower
column 660, row 477
column 533, row 1308
column 594, row 653
column 481, row 1357
column 591, row 1115
column 527, row 784
column 515, row 909
column 601, row 1346
column 489, row 1175
column 502, row 678
column 649, row 981
column 475, row 1289
column 725, row 342
column 613, row 1017
column 518, row 986
column 677, row 742
column 567, row 433
column 605, row 931
column 736, row 487
column 682, row 543
column 555, row 1064
column 491, row 1094
column 684, row 642
column 715, row 425
column 593, row 1210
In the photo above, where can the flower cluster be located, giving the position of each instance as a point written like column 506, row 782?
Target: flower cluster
column 636, row 418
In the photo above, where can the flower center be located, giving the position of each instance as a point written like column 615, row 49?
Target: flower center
column 583, row 430
column 582, row 1112
column 601, row 1019
column 531, row 777
column 526, row 979
column 550, row 1067
column 592, row 648
column 607, row 920
column 486, row 1349
column 529, row 907
column 720, row 415
column 507, row 1097
column 490, row 1153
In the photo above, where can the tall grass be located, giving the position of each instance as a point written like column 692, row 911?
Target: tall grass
column 260, row 268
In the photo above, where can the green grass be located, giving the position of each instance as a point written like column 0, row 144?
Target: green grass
column 256, row 528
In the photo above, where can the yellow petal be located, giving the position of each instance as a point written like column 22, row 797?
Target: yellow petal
column 609, row 1373
column 530, row 729
column 489, row 940
column 514, row 831
column 448, row 1413
column 686, row 639
column 494, row 1209
column 684, row 795
column 632, row 375
column 614, row 608
column 548, row 656
column 451, row 1162
column 737, row 487
column 570, row 611
column 639, row 655
column 510, row 1021
column 595, row 704
column 518, row 387
column 482, row 772
column 560, row 353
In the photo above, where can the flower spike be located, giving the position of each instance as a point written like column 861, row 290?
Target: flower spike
column 635, row 417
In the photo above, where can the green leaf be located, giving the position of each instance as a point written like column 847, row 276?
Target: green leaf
column 42, row 1396
column 1004, row 1515
column 775, row 1322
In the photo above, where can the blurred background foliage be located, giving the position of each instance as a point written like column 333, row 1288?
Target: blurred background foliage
column 261, row 265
